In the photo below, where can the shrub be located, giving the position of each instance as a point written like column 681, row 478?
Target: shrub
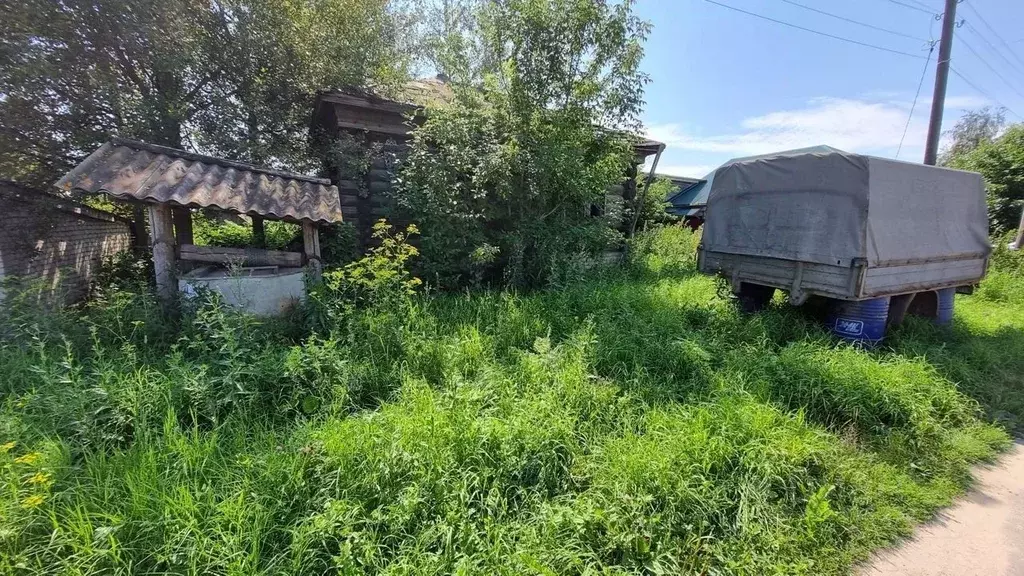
column 1005, row 279
column 213, row 231
column 379, row 280
column 667, row 249
column 535, row 135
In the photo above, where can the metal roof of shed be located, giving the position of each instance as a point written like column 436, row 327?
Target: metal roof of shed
column 133, row 170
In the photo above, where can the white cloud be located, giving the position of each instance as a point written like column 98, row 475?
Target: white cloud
column 688, row 170
column 857, row 125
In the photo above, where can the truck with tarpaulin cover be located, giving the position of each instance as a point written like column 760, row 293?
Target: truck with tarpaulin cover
column 872, row 238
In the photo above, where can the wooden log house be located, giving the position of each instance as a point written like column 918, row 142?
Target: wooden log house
column 385, row 123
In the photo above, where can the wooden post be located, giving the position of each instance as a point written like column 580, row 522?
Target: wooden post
column 1019, row 242
column 182, row 225
column 259, row 233
column 162, row 236
column 139, row 222
column 311, row 247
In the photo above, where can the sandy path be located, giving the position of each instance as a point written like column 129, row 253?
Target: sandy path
column 982, row 533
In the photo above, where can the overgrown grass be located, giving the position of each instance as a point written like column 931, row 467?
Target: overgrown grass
column 631, row 423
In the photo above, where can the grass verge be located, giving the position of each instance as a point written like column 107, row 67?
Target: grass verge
column 632, row 423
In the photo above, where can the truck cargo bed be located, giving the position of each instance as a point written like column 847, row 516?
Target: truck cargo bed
column 844, row 226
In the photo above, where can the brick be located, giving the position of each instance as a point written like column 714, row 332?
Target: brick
column 58, row 242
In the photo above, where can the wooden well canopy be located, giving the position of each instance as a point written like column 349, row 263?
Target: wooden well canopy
column 164, row 177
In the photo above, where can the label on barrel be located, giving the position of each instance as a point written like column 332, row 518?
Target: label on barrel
column 849, row 327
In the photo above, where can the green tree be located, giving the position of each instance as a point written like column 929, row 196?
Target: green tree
column 545, row 93
column 973, row 129
column 979, row 146
column 235, row 77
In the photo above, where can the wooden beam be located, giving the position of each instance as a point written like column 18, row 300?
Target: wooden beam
column 139, row 225
column 259, row 233
column 393, row 129
column 162, row 240
column 372, row 103
column 1018, row 243
column 182, row 225
column 240, row 256
column 311, row 247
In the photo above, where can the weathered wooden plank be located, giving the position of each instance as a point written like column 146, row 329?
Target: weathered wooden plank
column 381, row 175
column 363, row 102
column 240, row 256
column 162, row 234
column 311, row 247
column 378, row 187
column 349, row 200
column 345, row 185
column 396, row 129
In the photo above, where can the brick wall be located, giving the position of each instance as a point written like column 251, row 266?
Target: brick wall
column 55, row 242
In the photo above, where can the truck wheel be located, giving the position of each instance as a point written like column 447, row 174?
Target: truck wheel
column 754, row 297
column 925, row 304
column 898, row 306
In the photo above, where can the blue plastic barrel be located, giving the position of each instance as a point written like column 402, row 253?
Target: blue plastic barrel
column 944, row 310
column 862, row 322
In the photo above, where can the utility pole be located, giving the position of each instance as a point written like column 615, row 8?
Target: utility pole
column 931, row 150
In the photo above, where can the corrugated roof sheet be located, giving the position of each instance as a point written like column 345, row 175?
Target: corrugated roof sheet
column 133, row 170
column 12, row 191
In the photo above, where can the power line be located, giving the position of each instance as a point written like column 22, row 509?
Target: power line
column 995, row 34
column 983, row 93
column 912, row 7
column 850, row 20
column 990, row 67
column 990, row 45
column 914, row 105
column 819, row 33
column 923, row 5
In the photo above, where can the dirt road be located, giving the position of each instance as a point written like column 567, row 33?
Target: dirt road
column 982, row 533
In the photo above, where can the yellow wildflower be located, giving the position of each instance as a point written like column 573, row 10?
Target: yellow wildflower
column 5, row 448
column 32, row 501
column 39, row 478
column 29, row 458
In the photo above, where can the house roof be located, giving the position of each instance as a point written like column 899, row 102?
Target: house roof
column 411, row 98
column 132, row 170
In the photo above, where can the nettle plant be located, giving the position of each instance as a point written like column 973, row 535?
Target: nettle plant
column 546, row 95
column 381, row 279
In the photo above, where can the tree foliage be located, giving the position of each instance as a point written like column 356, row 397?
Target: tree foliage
column 973, row 129
column 502, row 180
column 979, row 146
column 231, row 77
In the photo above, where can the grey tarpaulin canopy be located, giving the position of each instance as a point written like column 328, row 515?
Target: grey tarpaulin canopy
column 830, row 207
column 691, row 200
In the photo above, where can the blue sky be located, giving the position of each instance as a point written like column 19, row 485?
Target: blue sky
column 725, row 84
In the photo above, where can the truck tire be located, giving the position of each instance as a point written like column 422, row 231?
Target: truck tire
column 753, row 298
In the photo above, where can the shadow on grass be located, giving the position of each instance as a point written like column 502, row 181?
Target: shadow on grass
column 988, row 366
